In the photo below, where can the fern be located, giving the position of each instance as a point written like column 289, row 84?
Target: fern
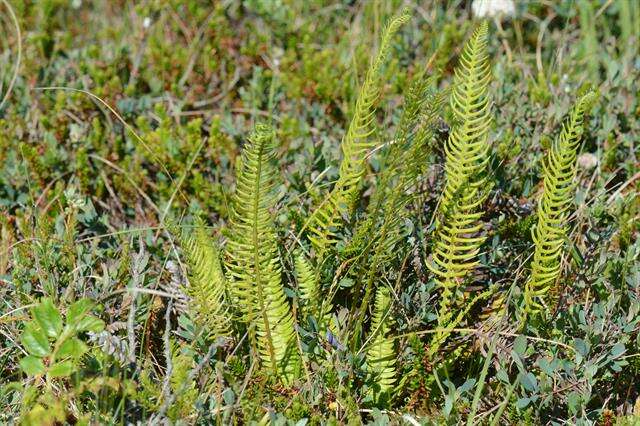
column 253, row 262
column 550, row 231
column 313, row 301
column 384, row 227
column 206, row 290
column 381, row 357
column 357, row 143
column 467, row 155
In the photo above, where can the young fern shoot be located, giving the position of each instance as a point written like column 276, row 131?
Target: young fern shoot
column 550, row 232
column 355, row 146
column 313, row 302
column 381, row 356
column 206, row 290
column 457, row 239
column 253, row 262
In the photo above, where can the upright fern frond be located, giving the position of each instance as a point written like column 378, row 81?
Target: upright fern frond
column 206, row 290
column 457, row 239
column 252, row 258
column 381, row 357
column 356, row 144
column 312, row 300
column 384, row 227
column 550, row 231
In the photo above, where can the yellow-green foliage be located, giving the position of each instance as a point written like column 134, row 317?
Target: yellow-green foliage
column 252, row 258
column 313, row 302
column 379, row 236
column 381, row 357
column 355, row 146
column 457, row 239
column 549, row 234
column 206, row 289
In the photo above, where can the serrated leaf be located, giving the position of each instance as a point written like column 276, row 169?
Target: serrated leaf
column 73, row 347
column 32, row 365
column 62, row 369
column 77, row 311
column 35, row 341
column 90, row 323
column 48, row 317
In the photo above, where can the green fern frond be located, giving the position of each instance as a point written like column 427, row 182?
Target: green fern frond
column 448, row 322
column 381, row 356
column 312, row 300
column 550, row 232
column 252, row 258
column 355, row 146
column 381, row 233
column 206, row 291
column 457, row 239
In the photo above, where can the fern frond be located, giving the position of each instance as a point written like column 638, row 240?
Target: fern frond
column 381, row 356
column 252, row 258
column 457, row 239
column 206, row 290
column 356, row 144
column 550, row 231
column 380, row 234
column 313, row 301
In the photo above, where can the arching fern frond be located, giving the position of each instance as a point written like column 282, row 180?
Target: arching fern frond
column 549, row 233
column 457, row 239
column 382, row 232
column 381, row 356
column 253, row 262
column 206, row 290
column 357, row 142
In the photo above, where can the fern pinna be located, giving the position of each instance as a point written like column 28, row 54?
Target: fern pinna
column 206, row 290
column 549, row 233
column 457, row 239
column 253, row 262
column 355, row 146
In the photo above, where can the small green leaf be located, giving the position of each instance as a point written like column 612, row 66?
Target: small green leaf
column 520, row 345
column 522, row 403
column 62, row 369
column 48, row 317
column 32, row 365
column 90, row 323
column 35, row 340
column 77, row 310
column 617, row 350
column 73, row 347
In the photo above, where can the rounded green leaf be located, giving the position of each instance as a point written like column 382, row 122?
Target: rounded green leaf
column 48, row 317
column 61, row 369
column 73, row 348
column 32, row 365
column 90, row 323
column 35, row 341
column 77, row 311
